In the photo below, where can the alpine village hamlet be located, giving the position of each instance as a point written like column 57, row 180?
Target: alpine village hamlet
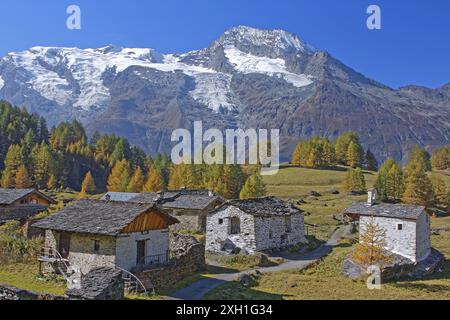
column 99, row 219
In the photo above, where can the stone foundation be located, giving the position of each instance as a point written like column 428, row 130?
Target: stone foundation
column 13, row 293
column 99, row 284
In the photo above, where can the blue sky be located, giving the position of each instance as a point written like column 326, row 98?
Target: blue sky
column 413, row 46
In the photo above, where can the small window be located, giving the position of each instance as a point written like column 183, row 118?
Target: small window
column 270, row 234
column 96, row 245
column 400, row 227
column 220, row 221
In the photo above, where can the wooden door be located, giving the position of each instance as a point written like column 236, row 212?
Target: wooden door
column 64, row 244
column 140, row 257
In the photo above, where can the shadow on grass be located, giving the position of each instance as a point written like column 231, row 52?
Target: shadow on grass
column 443, row 275
column 215, row 269
column 235, row 291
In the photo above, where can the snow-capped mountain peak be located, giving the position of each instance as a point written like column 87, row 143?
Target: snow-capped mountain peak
column 281, row 40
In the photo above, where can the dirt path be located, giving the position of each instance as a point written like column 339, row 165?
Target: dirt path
column 197, row 290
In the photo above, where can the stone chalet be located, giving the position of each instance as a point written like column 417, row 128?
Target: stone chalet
column 22, row 204
column 91, row 233
column 190, row 207
column 253, row 225
column 407, row 227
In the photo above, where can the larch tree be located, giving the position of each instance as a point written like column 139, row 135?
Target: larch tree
column 418, row 186
column 120, row 177
column 395, row 184
column 382, row 177
column 13, row 161
column 421, row 155
column 22, row 179
column 43, row 164
column 354, row 155
column 355, row 181
column 88, row 185
column 342, row 144
column 137, row 181
column 440, row 159
column 441, row 192
column 154, row 182
column 371, row 248
column 254, row 187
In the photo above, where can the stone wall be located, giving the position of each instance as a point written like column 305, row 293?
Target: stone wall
column 81, row 251
column 279, row 232
column 401, row 242
column 218, row 237
column 423, row 238
column 157, row 243
column 13, row 293
column 190, row 220
column 188, row 258
column 83, row 255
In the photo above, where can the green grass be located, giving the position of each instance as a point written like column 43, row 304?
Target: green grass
column 25, row 276
column 292, row 183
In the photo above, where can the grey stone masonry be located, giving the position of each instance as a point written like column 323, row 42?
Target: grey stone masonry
column 99, row 284
column 248, row 226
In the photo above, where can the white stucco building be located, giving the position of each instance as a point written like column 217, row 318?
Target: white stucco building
column 253, row 225
column 407, row 227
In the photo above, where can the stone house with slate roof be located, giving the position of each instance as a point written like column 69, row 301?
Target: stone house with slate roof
column 92, row 233
column 21, row 205
column 190, row 207
column 407, row 227
column 254, row 225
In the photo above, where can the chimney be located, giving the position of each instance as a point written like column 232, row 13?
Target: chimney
column 372, row 196
column 210, row 193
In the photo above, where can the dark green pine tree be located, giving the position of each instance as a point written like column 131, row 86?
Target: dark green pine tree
column 370, row 161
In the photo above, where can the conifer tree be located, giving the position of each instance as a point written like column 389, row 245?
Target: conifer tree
column 354, row 155
column 22, row 179
column 342, row 144
column 7, row 179
column 418, row 187
column 381, row 182
column 370, row 161
column 120, row 177
column 371, row 248
column 395, row 184
column 137, row 181
column 52, row 182
column 88, row 185
column 441, row 192
column 254, row 187
column 354, row 181
column 121, row 151
column 421, row 155
column 13, row 159
column 441, row 158
column 43, row 164
column 154, row 182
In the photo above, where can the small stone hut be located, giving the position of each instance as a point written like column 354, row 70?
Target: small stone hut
column 254, row 225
